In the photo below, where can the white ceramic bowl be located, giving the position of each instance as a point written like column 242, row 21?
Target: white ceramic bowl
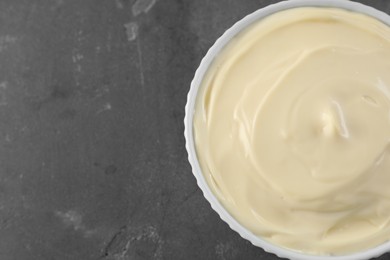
column 188, row 122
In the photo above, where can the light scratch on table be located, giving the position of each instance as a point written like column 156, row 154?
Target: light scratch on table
column 142, row 6
column 131, row 31
column 140, row 63
column 74, row 219
column 105, row 107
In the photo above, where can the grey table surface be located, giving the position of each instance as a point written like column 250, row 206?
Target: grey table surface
column 92, row 157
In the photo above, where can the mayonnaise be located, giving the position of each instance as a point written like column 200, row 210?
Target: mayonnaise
column 292, row 130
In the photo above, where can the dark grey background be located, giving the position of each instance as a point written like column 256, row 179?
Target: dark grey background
column 92, row 157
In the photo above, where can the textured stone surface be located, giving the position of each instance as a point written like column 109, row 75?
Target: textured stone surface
column 92, row 157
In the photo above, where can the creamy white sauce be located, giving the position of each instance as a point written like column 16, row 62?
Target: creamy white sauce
column 292, row 130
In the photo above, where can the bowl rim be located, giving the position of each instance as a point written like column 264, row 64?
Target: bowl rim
column 220, row 43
